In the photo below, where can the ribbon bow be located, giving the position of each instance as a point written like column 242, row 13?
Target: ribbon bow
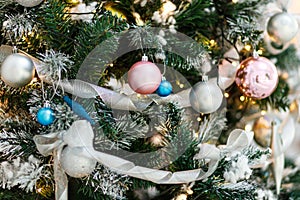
column 81, row 135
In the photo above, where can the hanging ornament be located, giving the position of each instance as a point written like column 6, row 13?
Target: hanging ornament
column 78, row 109
column 282, row 27
column 257, row 77
column 144, row 77
column 277, row 156
column 75, row 164
column 206, row 97
column 165, row 88
column 17, row 70
column 29, row 3
column 45, row 116
column 262, row 129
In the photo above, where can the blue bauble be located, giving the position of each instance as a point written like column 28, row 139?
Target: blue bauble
column 164, row 89
column 45, row 116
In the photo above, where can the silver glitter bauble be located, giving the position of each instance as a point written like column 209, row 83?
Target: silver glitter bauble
column 75, row 164
column 206, row 97
column 17, row 70
column 282, row 27
column 29, row 3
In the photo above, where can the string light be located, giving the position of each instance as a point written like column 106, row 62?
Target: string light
column 263, row 112
column 212, row 42
column 181, row 197
column 248, row 127
column 248, row 47
column 260, row 52
column 168, row 7
column 73, row 1
column 235, row 1
column 242, row 98
column 235, row 64
column 199, row 119
column 226, row 95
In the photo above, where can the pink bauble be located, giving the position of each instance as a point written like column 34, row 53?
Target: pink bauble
column 144, row 77
column 257, row 77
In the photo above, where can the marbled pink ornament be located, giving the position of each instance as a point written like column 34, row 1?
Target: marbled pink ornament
column 257, row 77
column 144, row 77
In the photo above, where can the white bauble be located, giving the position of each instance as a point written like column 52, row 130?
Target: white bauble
column 29, row 3
column 17, row 70
column 75, row 164
column 206, row 97
column 282, row 27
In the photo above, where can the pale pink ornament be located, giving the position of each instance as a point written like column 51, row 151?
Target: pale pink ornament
column 144, row 77
column 257, row 77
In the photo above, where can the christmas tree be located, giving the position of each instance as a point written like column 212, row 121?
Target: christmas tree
column 142, row 99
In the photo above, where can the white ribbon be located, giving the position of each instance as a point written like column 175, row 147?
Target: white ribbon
column 81, row 135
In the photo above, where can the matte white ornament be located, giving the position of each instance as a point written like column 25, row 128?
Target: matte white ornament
column 206, row 97
column 277, row 156
column 17, row 70
column 75, row 164
column 29, row 3
column 282, row 27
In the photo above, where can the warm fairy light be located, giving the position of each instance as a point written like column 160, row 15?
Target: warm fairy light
column 293, row 106
column 168, row 7
column 248, row 127
column 73, row 1
column 189, row 191
column 181, row 197
column 285, row 75
column 226, row 95
column 138, row 95
column 199, row 119
column 248, row 47
column 263, row 112
column 138, row 19
column 242, row 98
column 212, row 42
column 235, row 64
column 111, row 64
column 235, row 1
column 181, row 85
column 260, row 52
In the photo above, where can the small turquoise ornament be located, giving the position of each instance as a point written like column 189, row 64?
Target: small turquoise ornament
column 164, row 89
column 45, row 116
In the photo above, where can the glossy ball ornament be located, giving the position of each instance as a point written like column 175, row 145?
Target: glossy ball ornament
column 144, row 77
column 257, row 77
column 29, row 3
column 282, row 27
column 206, row 97
column 45, row 116
column 17, row 70
column 262, row 131
column 164, row 89
column 75, row 164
